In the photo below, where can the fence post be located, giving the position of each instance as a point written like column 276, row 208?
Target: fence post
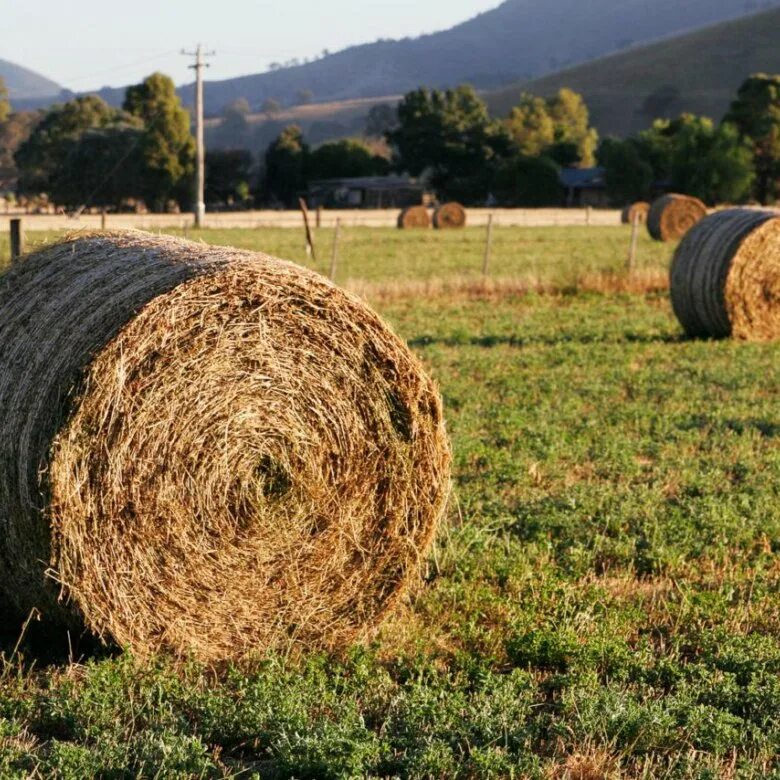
column 488, row 243
column 17, row 239
column 632, row 246
column 335, row 250
column 103, row 219
column 319, row 217
column 307, row 228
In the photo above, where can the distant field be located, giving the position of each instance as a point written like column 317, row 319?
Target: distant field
column 603, row 601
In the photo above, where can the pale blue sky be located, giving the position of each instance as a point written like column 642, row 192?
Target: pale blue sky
column 87, row 44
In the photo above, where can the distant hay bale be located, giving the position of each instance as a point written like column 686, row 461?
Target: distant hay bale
column 449, row 215
column 672, row 216
column 636, row 211
column 208, row 451
column 414, row 217
column 725, row 276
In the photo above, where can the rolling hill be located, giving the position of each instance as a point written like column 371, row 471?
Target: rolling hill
column 698, row 72
column 24, row 84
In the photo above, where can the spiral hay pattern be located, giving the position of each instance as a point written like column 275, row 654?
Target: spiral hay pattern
column 449, row 215
column 725, row 276
column 672, row 216
column 208, row 451
column 636, row 211
column 414, row 217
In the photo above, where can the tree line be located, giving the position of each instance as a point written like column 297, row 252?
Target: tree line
column 85, row 153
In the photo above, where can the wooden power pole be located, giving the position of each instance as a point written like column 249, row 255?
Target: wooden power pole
column 200, row 164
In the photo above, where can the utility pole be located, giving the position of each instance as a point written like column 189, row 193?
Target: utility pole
column 200, row 175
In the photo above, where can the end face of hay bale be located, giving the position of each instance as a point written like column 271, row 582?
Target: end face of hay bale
column 249, row 458
column 725, row 276
column 449, row 215
column 635, row 212
column 672, row 216
column 414, row 217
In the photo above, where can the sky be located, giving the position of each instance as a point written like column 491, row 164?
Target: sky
column 89, row 44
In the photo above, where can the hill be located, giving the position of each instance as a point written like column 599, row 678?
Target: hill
column 24, row 84
column 698, row 72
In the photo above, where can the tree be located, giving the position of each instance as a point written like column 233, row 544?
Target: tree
column 167, row 147
column 304, row 96
column 527, row 181
column 228, row 173
column 450, row 136
column 756, row 114
column 270, row 106
column 42, row 156
column 5, row 106
column 558, row 127
column 381, row 120
column 346, row 158
column 285, row 167
column 629, row 177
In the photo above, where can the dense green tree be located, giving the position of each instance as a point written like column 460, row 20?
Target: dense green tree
column 167, row 147
column 41, row 157
column 756, row 114
column 286, row 162
column 5, row 105
column 527, row 181
column 449, row 136
column 228, row 173
column 629, row 177
column 345, row 158
column 558, row 127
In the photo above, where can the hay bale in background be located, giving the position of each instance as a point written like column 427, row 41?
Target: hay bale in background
column 672, row 216
column 725, row 276
column 449, row 215
column 414, row 217
column 207, row 450
column 638, row 211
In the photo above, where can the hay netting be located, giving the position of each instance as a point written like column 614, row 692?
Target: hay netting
column 414, row 217
column 672, row 216
column 636, row 211
column 725, row 276
column 207, row 450
column 449, row 215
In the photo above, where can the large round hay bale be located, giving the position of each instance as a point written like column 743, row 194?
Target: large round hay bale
column 636, row 211
column 672, row 216
column 449, row 215
column 207, row 451
column 725, row 276
column 414, row 217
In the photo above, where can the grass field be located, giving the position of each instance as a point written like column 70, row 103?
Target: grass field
column 602, row 603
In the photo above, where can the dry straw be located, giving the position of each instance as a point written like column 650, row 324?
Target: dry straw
column 635, row 212
column 414, row 217
column 672, row 216
column 208, row 451
column 449, row 215
column 725, row 276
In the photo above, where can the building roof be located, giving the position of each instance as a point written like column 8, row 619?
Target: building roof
column 368, row 183
column 582, row 178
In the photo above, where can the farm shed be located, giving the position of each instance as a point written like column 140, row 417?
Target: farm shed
column 584, row 187
column 367, row 192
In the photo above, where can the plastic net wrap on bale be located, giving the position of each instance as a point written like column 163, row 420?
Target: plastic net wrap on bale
column 725, row 276
column 449, row 215
column 672, row 216
column 208, row 451
column 414, row 217
column 636, row 212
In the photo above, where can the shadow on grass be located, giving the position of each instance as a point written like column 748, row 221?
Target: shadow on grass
column 490, row 341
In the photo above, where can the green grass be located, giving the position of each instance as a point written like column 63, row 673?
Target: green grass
column 390, row 255
column 603, row 601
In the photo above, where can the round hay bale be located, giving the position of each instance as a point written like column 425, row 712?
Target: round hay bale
column 414, row 217
column 636, row 211
column 208, row 451
column 725, row 276
column 449, row 215
column 672, row 216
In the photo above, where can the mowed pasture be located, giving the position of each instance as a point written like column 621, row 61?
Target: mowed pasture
column 601, row 603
